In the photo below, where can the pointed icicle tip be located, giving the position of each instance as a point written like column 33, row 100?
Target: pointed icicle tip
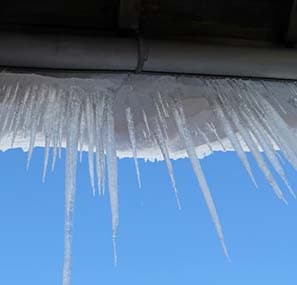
column 115, row 254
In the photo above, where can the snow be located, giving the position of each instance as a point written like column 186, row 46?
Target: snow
column 151, row 117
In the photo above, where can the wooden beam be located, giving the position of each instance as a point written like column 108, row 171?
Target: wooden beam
column 129, row 15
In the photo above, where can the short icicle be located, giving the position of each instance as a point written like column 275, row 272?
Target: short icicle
column 132, row 137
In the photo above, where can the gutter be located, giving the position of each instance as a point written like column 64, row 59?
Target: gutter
column 85, row 53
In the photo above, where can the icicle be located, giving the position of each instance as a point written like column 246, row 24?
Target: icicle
column 10, row 114
column 7, row 93
column 80, row 151
column 263, row 138
column 44, row 124
column 146, row 123
column 81, row 137
column 48, row 125
column 132, row 137
column 164, row 150
column 9, row 97
column 270, row 127
column 267, row 147
column 19, row 121
column 61, row 128
column 90, row 128
column 161, row 118
column 256, row 153
column 161, row 102
column 259, row 132
column 34, row 117
column 212, row 129
column 270, row 89
column 278, row 122
column 54, row 156
column 234, row 141
column 205, row 139
column 57, row 126
column 84, row 113
column 112, row 172
column 70, row 180
column 100, row 156
column 145, row 136
column 46, row 156
column 180, row 121
column 32, row 122
column 90, row 132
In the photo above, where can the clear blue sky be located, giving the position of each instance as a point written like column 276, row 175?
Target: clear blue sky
column 157, row 243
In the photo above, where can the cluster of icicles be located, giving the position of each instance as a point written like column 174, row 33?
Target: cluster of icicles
column 112, row 116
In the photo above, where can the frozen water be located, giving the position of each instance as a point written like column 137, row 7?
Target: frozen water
column 90, row 131
column 164, row 149
column 183, row 130
column 152, row 117
column 131, row 131
column 72, row 119
column 234, row 140
column 112, row 171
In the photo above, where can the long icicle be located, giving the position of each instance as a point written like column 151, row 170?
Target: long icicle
column 59, row 109
column 165, row 153
column 100, row 156
column 252, row 145
column 234, row 141
column 90, row 128
column 112, row 171
column 70, row 181
column 180, row 121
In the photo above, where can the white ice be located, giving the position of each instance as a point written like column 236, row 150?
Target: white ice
column 166, row 117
